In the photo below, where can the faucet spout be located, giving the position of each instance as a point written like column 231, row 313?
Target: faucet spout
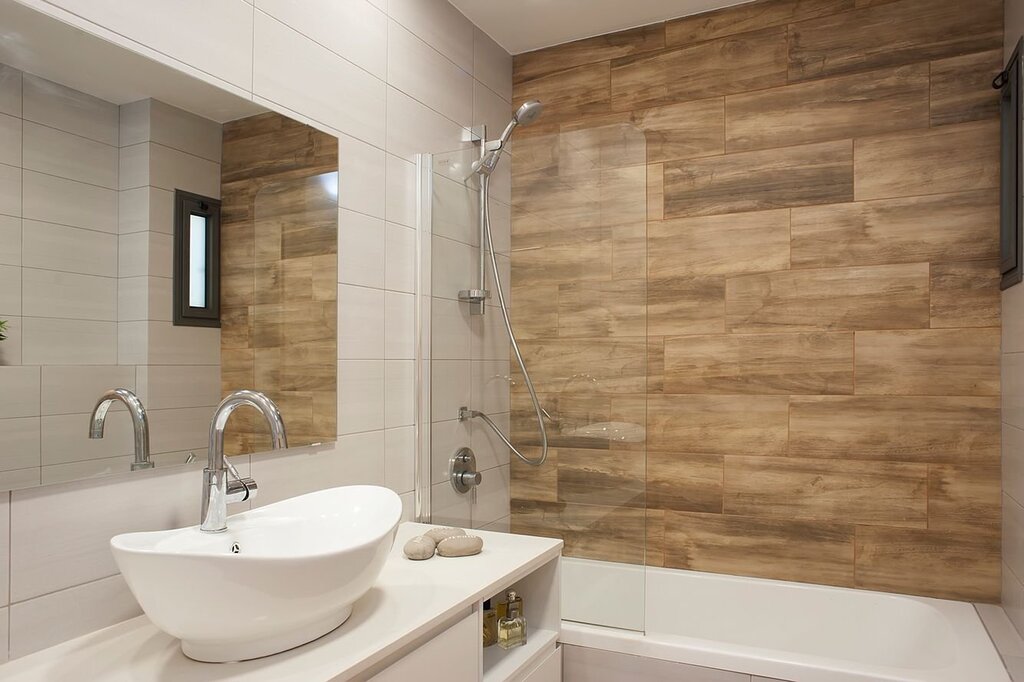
column 217, row 491
column 140, row 423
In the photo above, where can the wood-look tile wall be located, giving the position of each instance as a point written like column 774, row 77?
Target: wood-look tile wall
column 765, row 237
column 279, row 267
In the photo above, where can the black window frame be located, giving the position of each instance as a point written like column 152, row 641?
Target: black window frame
column 1011, row 196
column 187, row 204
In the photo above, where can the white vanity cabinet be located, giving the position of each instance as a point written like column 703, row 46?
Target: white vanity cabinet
column 451, row 654
column 422, row 621
column 456, row 654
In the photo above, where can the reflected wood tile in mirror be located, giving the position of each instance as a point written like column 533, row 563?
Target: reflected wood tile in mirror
column 280, row 187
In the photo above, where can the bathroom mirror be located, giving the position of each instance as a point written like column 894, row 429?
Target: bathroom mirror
column 98, row 146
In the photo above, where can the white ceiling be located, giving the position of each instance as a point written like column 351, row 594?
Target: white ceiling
column 525, row 25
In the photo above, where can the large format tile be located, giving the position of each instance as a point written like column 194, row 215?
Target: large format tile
column 492, row 65
column 10, row 290
column 966, row 294
column 492, row 497
column 355, row 30
column 400, row 252
column 55, row 152
column 413, row 128
column 928, row 362
column 882, row 34
column 50, row 199
column 360, row 395
column 20, row 397
column 420, row 71
column 65, row 440
column 48, row 293
column 953, row 565
column 960, row 88
column 10, row 91
column 814, row 363
column 807, row 551
column 60, row 107
column 151, row 120
column 749, row 17
column 73, row 389
column 716, row 67
column 684, row 482
column 356, row 459
column 718, row 245
column 399, row 326
column 895, row 428
column 710, row 424
column 838, row 108
column 68, row 249
column 569, row 94
column 635, row 41
column 361, row 177
column 964, row 497
column 10, row 240
column 21, row 447
column 811, row 174
column 683, row 130
column 48, row 341
column 439, row 24
column 329, row 89
column 360, row 249
column 360, row 323
column 53, row 550
column 881, row 297
column 589, row 531
column 939, row 227
column 10, row 190
column 10, row 140
column 450, row 388
column 399, row 393
column 57, row 617
column 917, row 162
column 882, row 493
column 399, row 458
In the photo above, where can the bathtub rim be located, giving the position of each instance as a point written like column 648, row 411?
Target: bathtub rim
column 966, row 624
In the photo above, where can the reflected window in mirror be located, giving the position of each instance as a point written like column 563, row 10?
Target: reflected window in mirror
column 196, row 260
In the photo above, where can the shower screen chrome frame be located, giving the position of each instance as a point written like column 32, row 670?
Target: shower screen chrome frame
column 422, row 466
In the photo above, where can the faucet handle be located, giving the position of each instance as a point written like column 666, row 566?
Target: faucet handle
column 242, row 488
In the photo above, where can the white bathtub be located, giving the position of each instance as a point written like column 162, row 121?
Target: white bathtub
column 775, row 629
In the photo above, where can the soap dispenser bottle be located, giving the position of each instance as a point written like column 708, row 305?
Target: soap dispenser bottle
column 512, row 627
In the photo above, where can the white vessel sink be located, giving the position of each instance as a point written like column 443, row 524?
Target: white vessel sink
column 280, row 576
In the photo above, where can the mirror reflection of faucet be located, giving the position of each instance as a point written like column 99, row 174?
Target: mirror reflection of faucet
column 140, row 423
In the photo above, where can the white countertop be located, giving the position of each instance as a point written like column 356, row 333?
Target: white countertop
column 409, row 600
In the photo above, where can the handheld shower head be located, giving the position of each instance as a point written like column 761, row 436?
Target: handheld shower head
column 526, row 114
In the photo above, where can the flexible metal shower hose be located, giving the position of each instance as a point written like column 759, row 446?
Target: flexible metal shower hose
column 486, row 213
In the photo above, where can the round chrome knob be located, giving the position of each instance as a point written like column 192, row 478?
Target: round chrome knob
column 462, row 471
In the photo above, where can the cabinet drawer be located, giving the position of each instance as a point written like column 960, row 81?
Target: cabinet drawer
column 548, row 670
column 455, row 651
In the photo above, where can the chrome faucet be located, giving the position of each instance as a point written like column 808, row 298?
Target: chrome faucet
column 140, row 422
column 217, row 491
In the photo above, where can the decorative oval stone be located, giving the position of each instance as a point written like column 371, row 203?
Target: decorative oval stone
column 460, row 545
column 438, row 534
column 420, row 547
